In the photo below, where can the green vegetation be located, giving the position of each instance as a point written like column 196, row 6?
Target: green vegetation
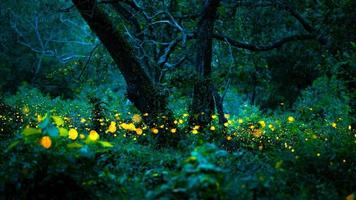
column 287, row 155
column 166, row 99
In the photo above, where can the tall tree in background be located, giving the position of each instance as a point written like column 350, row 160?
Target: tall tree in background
column 203, row 105
column 206, row 98
column 142, row 91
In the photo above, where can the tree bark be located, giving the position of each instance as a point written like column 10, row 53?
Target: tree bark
column 203, row 97
column 141, row 90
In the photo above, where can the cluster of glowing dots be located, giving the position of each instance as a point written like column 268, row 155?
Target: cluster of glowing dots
column 137, row 126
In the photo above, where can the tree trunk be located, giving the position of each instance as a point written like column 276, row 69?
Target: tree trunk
column 203, row 99
column 219, row 106
column 141, row 90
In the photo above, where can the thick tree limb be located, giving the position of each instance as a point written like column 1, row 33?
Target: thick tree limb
column 237, row 44
column 141, row 90
column 306, row 25
column 283, row 5
column 273, row 45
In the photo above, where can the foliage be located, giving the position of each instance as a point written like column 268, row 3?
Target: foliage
column 253, row 155
column 199, row 177
column 68, row 130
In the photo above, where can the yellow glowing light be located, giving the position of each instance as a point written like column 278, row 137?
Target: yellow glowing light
column 154, row 130
column 26, row 109
column 291, row 119
column 112, row 127
column 257, row 133
column 39, row 118
column 136, row 118
column 93, row 135
column 139, row 131
column 173, row 130
column 262, row 123
column 333, row 125
column 129, row 127
column 72, row 134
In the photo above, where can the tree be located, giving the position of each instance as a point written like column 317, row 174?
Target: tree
column 203, row 104
column 143, row 78
column 141, row 90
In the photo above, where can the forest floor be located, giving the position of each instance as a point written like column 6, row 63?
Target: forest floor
column 56, row 153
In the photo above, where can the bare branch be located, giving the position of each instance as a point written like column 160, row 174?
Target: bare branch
column 88, row 60
column 171, row 47
column 273, row 45
column 177, row 64
column 129, row 17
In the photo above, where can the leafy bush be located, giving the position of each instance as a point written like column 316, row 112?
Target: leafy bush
column 252, row 156
column 325, row 99
column 200, row 177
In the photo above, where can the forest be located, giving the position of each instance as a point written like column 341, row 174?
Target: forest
column 178, row 99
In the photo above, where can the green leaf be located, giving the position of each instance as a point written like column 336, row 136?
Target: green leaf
column 58, row 120
column 353, row 44
column 106, row 144
column 31, row 131
column 12, row 145
column 74, row 145
column 63, row 132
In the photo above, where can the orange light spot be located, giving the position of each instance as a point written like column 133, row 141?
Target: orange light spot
column 46, row 142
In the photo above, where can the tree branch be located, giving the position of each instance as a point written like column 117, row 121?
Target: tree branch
column 281, row 4
column 273, row 45
column 171, row 47
column 306, row 25
column 129, row 17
